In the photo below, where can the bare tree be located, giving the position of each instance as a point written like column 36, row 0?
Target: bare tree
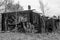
column 44, row 9
column 14, row 7
column 9, row 6
column 2, row 7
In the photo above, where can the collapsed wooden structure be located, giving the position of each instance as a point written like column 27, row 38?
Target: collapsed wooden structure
column 23, row 21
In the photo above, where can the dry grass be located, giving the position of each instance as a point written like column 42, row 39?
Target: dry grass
column 22, row 36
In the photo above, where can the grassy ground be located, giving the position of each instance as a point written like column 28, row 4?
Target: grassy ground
column 22, row 36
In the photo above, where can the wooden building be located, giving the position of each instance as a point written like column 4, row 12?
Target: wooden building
column 10, row 20
column 26, row 20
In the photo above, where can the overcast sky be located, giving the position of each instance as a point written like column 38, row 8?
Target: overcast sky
column 53, row 5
